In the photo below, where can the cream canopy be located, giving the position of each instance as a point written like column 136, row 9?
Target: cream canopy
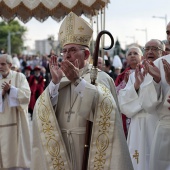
column 42, row 9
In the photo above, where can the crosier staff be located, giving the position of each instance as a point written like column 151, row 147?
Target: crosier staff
column 93, row 77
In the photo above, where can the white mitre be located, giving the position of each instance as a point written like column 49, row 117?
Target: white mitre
column 75, row 30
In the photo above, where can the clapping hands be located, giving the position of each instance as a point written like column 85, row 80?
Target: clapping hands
column 6, row 87
column 150, row 68
column 70, row 70
column 139, row 77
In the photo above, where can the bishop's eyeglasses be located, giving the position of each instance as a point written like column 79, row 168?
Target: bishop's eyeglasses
column 71, row 51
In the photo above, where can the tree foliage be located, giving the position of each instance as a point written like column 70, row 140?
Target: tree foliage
column 17, row 34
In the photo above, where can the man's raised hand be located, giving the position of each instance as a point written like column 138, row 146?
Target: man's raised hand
column 139, row 77
column 6, row 87
column 154, row 71
column 56, row 72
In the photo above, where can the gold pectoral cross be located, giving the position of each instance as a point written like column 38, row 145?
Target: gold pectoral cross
column 69, row 114
column 136, row 156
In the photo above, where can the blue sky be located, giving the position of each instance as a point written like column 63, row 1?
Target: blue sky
column 123, row 17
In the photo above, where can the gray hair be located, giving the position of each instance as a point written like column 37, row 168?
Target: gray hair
column 8, row 58
column 135, row 47
column 161, row 44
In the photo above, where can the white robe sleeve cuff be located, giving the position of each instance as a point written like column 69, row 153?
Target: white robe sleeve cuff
column 13, row 97
column 80, row 88
column 53, row 90
column 1, row 103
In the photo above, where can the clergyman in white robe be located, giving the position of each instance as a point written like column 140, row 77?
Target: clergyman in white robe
column 15, row 147
column 160, row 155
column 142, row 126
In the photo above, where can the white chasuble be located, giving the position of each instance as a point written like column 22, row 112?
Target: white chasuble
column 59, row 144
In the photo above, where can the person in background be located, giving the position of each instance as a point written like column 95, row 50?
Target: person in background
column 156, row 93
column 61, row 112
column 143, row 122
column 108, row 70
column 36, row 83
column 15, row 61
column 133, row 57
column 39, row 81
column 15, row 68
column 23, row 63
column 45, row 76
column 31, row 81
column 100, row 63
column 117, row 64
column 28, row 74
column 106, row 56
column 14, row 126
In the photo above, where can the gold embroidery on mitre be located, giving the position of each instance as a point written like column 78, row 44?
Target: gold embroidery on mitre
column 102, row 141
column 81, row 29
column 136, row 156
column 52, row 145
column 75, row 30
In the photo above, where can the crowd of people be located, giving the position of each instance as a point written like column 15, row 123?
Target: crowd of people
column 126, row 111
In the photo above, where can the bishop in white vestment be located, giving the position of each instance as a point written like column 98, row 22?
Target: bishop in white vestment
column 69, row 131
column 61, row 112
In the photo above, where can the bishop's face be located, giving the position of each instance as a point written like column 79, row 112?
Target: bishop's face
column 72, row 52
column 4, row 67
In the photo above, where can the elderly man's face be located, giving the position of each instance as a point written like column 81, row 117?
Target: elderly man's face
column 72, row 52
column 152, row 50
column 4, row 67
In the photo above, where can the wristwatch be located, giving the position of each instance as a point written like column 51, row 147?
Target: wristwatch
column 77, row 81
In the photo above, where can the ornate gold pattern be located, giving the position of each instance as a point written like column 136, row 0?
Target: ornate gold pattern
column 80, row 28
column 104, row 125
column 69, row 35
column 52, row 145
